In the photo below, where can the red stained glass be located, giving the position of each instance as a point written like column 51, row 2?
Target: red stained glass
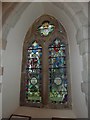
column 56, row 49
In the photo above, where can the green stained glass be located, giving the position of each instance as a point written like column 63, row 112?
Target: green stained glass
column 33, row 70
column 45, row 29
column 57, row 72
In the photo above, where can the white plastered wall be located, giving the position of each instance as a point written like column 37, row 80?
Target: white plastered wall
column 12, row 58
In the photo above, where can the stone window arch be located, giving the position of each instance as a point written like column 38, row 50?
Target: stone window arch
column 45, row 76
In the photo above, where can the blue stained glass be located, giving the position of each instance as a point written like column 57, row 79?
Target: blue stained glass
column 57, row 72
column 34, row 51
column 59, row 62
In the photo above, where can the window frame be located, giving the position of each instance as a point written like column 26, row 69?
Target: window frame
column 44, row 42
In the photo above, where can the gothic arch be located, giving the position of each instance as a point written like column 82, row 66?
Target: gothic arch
column 32, row 35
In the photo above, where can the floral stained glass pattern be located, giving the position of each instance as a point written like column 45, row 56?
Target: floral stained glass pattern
column 57, row 72
column 46, row 29
column 33, row 71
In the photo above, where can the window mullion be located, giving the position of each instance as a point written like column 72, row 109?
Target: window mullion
column 45, row 75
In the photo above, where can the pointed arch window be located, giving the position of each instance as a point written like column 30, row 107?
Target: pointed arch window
column 45, row 78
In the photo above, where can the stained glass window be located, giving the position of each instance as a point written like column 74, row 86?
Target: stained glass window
column 57, row 72
column 34, row 73
column 45, row 73
column 46, row 28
